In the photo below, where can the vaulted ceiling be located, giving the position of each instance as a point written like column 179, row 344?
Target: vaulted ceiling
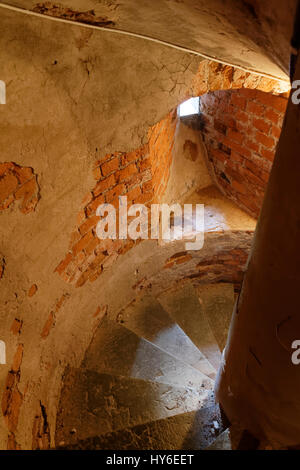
column 252, row 34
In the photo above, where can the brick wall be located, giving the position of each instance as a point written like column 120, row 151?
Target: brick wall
column 141, row 175
column 241, row 131
column 213, row 76
column 18, row 183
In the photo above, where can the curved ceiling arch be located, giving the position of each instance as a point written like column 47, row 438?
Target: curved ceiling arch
column 252, row 35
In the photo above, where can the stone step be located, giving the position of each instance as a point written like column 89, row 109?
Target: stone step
column 187, row 431
column 184, row 307
column 117, row 350
column 222, row 442
column 147, row 318
column 92, row 404
column 217, row 301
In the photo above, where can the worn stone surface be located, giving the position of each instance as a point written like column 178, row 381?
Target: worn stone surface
column 184, row 306
column 217, row 301
column 94, row 404
column 187, row 431
column 148, row 319
column 222, row 442
column 117, row 350
column 187, row 172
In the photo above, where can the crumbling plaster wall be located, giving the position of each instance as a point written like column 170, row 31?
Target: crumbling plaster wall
column 189, row 170
column 74, row 96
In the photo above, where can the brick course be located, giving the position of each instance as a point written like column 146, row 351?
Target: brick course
column 241, row 131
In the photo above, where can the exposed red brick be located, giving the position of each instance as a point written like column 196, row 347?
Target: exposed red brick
column 271, row 115
column 241, row 116
column 240, row 187
column 97, row 173
column 134, row 194
column 83, row 243
column 125, row 173
column 110, row 166
column 87, row 198
column 235, row 136
column 145, row 164
column 275, row 102
column 48, row 325
column 252, row 145
column 92, row 245
column 220, row 126
column 144, row 198
column 33, row 289
column 40, row 430
column 64, row 263
column 14, row 410
column 261, row 125
column 30, row 194
column 268, row 142
column 92, row 207
column 8, row 185
column 254, row 108
column 17, row 358
column 276, row 131
column 269, row 154
column 88, row 224
column 16, row 326
column 5, row 167
column 147, row 187
column 2, row 266
column 241, row 159
column 178, row 258
column 113, row 193
column 239, row 100
column 60, row 302
column 80, row 219
column 104, row 185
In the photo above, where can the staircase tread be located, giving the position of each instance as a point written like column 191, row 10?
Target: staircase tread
column 117, row 350
column 148, row 319
column 184, row 307
column 218, row 302
column 138, row 380
column 222, row 442
column 93, row 403
column 184, row 431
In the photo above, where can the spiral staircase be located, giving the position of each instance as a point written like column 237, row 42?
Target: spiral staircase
column 147, row 379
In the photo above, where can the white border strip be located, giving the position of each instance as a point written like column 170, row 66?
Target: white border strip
column 140, row 36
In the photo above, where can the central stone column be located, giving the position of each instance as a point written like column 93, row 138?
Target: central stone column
column 258, row 385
